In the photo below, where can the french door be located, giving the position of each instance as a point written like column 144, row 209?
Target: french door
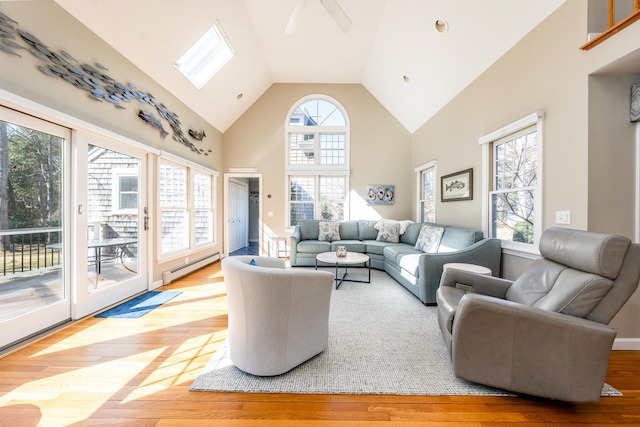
column 34, row 225
column 111, row 208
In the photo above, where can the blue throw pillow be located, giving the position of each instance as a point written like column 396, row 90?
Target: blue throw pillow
column 253, row 262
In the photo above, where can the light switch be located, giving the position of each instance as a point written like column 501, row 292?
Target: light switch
column 563, row 217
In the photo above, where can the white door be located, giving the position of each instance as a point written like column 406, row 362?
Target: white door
column 34, row 225
column 238, row 199
column 111, row 207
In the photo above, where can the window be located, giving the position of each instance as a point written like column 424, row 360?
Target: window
column 186, row 206
column 206, row 57
column 426, row 192
column 513, row 200
column 126, row 191
column 317, row 172
column 203, row 207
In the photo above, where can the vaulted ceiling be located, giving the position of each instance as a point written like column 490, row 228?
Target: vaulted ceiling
column 392, row 48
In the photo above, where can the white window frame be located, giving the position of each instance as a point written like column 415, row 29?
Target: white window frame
column 420, row 170
column 210, row 209
column 191, row 246
column 316, row 193
column 486, row 142
column 316, row 170
column 115, row 196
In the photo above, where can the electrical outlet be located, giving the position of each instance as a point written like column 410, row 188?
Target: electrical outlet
column 563, row 217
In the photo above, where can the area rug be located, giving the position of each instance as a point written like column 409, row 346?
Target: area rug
column 382, row 340
column 140, row 305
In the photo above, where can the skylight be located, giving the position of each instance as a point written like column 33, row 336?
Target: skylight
column 206, row 57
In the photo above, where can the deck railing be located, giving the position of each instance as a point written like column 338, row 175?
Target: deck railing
column 28, row 250
column 613, row 26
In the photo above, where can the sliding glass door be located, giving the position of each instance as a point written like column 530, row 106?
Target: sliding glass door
column 34, row 226
column 110, row 222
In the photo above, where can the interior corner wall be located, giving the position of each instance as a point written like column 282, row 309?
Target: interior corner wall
column 380, row 150
column 59, row 30
column 545, row 72
column 611, row 155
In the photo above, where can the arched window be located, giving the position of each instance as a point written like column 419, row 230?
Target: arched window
column 317, row 171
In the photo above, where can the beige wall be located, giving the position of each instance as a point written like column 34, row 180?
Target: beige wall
column 588, row 165
column 380, row 149
column 56, row 28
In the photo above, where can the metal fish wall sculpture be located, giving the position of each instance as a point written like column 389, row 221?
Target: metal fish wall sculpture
column 93, row 79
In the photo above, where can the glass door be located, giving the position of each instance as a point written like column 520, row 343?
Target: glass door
column 34, row 231
column 110, row 224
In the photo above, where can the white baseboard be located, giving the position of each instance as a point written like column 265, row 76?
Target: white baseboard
column 155, row 284
column 626, row 344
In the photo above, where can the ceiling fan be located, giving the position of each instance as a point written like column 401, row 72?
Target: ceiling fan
column 331, row 6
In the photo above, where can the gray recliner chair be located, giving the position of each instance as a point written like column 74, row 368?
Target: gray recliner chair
column 544, row 334
column 278, row 317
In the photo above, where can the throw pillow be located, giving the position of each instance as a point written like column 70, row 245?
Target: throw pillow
column 402, row 225
column 329, row 231
column 429, row 239
column 389, row 232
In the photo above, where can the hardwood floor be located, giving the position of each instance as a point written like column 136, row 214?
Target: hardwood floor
column 138, row 371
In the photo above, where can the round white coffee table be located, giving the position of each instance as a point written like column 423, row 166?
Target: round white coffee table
column 352, row 258
column 472, row 268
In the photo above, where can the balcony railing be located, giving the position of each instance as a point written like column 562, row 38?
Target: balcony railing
column 614, row 27
column 29, row 250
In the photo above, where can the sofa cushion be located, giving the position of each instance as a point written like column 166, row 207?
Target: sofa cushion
column 329, row 231
column 389, row 232
column 393, row 253
column 456, row 238
column 411, row 234
column 367, row 230
column 351, row 245
column 401, row 224
column 410, row 262
column 349, row 230
column 309, row 229
column 313, row 246
column 429, row 239
column 376, row 247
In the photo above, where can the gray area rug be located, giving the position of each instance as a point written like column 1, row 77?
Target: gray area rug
column 382, row 340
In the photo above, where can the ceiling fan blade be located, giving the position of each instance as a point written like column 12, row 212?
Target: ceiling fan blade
column 338, row 15
column 295, row 17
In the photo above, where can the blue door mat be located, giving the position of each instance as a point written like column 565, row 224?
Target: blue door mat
column 140, row 305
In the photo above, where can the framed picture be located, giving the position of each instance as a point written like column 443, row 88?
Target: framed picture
column 457, row 186
column 380, row 194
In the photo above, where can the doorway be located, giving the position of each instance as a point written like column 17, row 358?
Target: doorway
column 242, row 212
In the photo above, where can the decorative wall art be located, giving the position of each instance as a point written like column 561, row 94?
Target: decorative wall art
column 93, row 79
column 457, row 186
column 380, row 194
column 634, row 110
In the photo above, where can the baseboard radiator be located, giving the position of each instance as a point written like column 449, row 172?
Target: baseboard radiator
column 189, row 267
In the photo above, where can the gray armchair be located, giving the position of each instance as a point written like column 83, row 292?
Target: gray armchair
column 278, row 317
column 546, row 333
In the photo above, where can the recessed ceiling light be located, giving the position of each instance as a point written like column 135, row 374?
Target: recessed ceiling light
column 441, row 26
column 206, row 57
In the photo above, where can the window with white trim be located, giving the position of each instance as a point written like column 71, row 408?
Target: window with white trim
column 317, row 170
column 513, row 191
column 126, row 191
column 186, row 203
column 426, row 192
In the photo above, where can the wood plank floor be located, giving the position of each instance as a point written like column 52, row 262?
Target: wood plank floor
column 138, row 371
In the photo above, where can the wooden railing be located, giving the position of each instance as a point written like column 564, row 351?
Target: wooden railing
column 613, row 27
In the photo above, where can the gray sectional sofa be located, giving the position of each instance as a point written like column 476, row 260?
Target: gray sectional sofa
column 414, row 269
